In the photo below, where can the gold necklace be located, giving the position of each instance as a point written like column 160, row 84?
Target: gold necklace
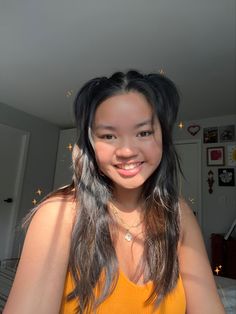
column 128, row 234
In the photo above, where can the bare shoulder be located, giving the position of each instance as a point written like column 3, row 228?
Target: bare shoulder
column 55, row 214
column 60, row 207
column 187, row 219
column 200, row 289
column 44, row 260
column 50, row 228
column 191, row 244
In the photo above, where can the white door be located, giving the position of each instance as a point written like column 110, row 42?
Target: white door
column 190, row 186
column 13, row 151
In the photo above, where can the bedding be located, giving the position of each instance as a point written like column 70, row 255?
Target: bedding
column 227, row 290
column 7, row 273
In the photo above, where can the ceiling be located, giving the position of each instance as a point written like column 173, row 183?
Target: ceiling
column 49, row 48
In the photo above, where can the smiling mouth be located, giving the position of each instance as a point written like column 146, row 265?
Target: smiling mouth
column 129, row 166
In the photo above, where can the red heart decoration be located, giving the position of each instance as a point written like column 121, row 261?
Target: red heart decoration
column 193, row 129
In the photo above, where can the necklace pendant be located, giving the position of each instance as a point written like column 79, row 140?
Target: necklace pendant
column 128, row 236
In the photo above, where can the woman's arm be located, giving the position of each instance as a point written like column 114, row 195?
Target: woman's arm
column 40, row 277
column 200, row 288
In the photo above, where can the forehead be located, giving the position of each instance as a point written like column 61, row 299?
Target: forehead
column 131, row 107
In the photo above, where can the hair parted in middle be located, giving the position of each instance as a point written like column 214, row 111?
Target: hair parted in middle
column 92, row 253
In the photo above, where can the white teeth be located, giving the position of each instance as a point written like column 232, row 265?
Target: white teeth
column 128, row 166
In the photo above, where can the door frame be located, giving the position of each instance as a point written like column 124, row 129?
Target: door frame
column 17, row 195
column 199, row 165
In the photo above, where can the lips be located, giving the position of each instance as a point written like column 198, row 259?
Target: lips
column 129, row 169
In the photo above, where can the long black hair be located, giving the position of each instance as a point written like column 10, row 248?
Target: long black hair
column 92, row 253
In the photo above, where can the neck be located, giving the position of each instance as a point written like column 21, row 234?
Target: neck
column 127, row 200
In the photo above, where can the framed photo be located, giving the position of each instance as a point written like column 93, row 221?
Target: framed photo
column 226, row 177
column 227, row 133
column 215, row 156
column 210, row 135
column 231, row 149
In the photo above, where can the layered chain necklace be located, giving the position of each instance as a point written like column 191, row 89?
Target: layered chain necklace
column 128, row 234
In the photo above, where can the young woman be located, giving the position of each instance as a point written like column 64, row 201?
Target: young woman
column 119, row 239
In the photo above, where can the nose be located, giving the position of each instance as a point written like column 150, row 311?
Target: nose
column 126, row 149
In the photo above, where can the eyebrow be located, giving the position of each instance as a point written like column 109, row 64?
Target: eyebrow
column 111, row 128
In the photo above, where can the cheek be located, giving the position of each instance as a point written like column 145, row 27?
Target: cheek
column 156, row 151
column 103, row 153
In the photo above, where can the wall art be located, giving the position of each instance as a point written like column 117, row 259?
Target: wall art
column 215, row 156
column 227, row 133
column 193, row 129
column 226, row 177
column 231, row 152
column 210, row 135
column 210, row 181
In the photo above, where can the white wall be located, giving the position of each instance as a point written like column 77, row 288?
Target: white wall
column 41, row 159
column 218, row 208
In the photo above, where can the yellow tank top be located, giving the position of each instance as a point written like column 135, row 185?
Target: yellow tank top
column 129, row 298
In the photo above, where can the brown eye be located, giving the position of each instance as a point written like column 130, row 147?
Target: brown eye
column 145, row 133
column 108, row 137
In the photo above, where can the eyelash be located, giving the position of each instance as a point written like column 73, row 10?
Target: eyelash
column 107, row 137
column 140, row 134
column 145, row 133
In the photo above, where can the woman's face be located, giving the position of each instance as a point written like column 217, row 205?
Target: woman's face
column 127, row 140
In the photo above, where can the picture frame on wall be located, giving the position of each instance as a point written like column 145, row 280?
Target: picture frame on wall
column 215, row 156
column 231, row 149
column 226, row 177
column 210, row 135
column 227, row 133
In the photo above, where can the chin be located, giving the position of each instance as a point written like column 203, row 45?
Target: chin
column 127, row 183
column 129, row 186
